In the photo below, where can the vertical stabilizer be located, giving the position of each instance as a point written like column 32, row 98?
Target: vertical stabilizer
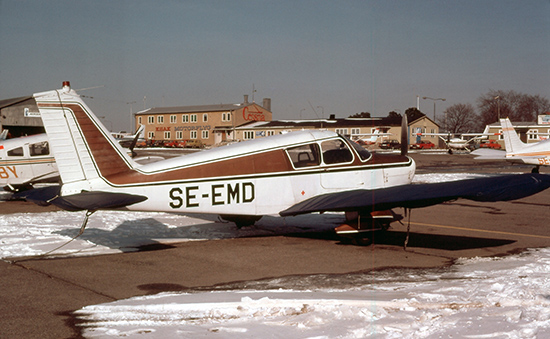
column 512, row 142
column 83, row 148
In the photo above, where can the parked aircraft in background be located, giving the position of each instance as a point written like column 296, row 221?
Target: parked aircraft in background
column 517, row 151
column 25, row 161
column 459, row 141
column 287, row 174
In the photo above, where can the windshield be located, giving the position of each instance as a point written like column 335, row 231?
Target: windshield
column 363, row 153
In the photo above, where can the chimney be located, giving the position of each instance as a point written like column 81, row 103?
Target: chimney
column 332, row 116
column 267, row 104
column 246, row 98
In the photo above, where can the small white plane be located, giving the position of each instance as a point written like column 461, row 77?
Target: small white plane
column 459, row 141
column 25, row 161
column 288, row 174
column 28, row 160
column 517, row 151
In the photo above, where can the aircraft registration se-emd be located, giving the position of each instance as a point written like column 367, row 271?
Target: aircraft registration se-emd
column 288, row 174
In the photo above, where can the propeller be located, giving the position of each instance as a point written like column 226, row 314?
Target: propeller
column 404, row 135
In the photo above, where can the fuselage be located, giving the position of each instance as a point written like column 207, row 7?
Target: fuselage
column 26, row 160
column 259, row 177
column 534, row 154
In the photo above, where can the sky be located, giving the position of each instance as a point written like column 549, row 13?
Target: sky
column 312, row 58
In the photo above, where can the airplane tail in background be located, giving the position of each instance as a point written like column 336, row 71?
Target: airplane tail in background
column 375, row 136
column 83, row 148
column 512, row 141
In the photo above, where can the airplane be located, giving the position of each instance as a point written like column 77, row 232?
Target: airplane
column 288, row 174
column 25, row 161
column 517, row 151
column 28, row 160
column 458, row 143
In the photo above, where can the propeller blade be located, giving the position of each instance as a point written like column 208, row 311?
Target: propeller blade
column 404, row 135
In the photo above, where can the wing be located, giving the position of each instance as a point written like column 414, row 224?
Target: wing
column 498, row 188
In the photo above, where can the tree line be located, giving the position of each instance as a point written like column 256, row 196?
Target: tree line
column 463, row 118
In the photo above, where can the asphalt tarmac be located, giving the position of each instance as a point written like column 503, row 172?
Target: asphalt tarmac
column 38, row 296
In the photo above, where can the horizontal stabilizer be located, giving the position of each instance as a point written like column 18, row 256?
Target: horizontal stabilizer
column 488, row 154
column 82, row 201
column 487, row 189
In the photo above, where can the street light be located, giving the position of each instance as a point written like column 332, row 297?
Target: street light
column 498, row 106
column 434, row 100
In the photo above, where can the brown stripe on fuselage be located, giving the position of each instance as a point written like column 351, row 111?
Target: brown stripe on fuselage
column 257, row 163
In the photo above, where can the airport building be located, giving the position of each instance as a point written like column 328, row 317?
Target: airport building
column 20, row 117
column 528, row 131
column 207, row 124
column 354, row 128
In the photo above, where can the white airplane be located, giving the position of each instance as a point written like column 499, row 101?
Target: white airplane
column 28, row 160
column 517, row 151
column 288, row 174
column 25, row 161
column 459, row 143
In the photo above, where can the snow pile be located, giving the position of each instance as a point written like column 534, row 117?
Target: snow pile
column 477, row 298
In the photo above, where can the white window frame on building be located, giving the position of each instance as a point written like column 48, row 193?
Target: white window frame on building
column 193, row 118
column 173, row 119
column 205, row 134
column 151, row 135
column 139, row 120
column 226, row 116
column 160, row 119
column 193, row 134
column 179, row 135
column 533, row 134
column 342, row 131
column 269, row 133
column 167, row 135
column 355, row 131
column 248, row 135
column 185, row 118
column 151, row 119
column 205, row 117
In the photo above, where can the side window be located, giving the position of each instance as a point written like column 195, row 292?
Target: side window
column 336, row 152
column 16, row 152
column 304, row 156
column 40, row 148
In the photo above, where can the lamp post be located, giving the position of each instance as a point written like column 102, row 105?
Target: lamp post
column 498, row 107
column 434, row 100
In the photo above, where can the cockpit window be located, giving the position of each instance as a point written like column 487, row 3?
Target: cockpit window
column 336, row 152
column 304, row 156
column 40, row 148
column 363, row 153
column 16, row 152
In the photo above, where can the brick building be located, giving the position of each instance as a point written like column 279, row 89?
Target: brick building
column 209, row 124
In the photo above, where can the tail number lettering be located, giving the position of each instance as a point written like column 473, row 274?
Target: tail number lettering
column 214, row 195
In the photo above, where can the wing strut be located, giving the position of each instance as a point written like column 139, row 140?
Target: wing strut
column 408, row 228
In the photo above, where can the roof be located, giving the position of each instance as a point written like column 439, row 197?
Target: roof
column 13, row 101
column 192, row 109
column 325, row 123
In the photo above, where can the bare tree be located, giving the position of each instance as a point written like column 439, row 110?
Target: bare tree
column 511, row 104
column 459, row 118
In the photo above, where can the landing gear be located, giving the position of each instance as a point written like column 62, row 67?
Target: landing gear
column 536, row 169
column 362, row 228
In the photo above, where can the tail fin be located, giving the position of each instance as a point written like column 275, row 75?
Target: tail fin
column 83, row 148
column 512, row 142
column 375, row 136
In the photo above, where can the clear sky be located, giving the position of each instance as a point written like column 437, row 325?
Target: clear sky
column 334, row 57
